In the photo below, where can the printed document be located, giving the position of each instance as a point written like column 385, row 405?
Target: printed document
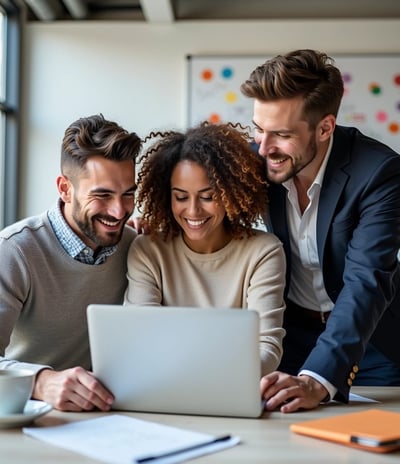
column 120, row 439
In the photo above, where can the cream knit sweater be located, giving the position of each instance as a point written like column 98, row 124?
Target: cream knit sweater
column 246, row 273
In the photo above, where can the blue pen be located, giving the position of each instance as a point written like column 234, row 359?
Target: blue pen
column 183, row 450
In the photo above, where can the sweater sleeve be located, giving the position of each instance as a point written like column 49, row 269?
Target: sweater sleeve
column 14, row 287
column 265, row 294
column 144, row 276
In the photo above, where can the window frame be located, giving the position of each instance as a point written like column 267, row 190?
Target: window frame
column 10, row 118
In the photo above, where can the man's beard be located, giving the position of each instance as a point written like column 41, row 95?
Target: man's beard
column 311, row 150
column 87, row 228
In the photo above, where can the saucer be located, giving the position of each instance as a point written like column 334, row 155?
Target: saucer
column 32, row 411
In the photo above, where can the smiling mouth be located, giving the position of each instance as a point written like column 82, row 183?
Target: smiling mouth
column 196, row 223
column 277, row 160
column 109, row 223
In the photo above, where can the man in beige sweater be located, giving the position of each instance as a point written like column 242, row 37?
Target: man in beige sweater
column 55, row 264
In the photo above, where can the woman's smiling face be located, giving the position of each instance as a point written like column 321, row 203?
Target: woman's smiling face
column 195, row 210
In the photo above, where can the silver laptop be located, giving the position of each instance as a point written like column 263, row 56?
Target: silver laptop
column 178, row 360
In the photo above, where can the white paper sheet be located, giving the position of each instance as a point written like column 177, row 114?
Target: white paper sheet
column 119, row 439
column 360, row 399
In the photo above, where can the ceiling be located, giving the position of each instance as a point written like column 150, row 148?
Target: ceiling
column 169, row 11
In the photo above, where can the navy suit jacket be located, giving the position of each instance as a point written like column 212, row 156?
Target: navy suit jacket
column 358, row 237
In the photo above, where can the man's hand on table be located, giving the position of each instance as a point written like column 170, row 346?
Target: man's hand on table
column 73, row 389
column 290, row 393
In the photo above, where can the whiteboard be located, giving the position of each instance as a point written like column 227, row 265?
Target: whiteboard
column 371, row 100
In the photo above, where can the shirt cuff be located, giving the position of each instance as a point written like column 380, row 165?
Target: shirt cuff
column 331, row 389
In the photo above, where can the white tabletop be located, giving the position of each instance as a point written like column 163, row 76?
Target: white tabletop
column 265, row 440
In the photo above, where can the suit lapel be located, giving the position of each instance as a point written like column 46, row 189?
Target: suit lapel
column 334, row 181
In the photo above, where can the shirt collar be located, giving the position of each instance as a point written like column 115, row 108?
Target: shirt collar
column 71, row 243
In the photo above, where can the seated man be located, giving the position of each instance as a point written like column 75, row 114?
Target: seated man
column 56, row 263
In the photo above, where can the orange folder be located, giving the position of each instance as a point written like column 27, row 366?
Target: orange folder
column 372, row 430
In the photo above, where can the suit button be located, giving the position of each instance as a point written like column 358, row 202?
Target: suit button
column 349, row 382
column 355, row 368
column 352, row 375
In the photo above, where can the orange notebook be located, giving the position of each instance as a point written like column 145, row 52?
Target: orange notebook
column 372, row 430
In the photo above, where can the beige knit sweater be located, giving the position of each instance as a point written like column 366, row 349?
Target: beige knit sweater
column 44, row 294
column 246, row 273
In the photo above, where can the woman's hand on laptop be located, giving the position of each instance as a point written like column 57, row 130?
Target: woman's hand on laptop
column 291, row 393
column 73, row 389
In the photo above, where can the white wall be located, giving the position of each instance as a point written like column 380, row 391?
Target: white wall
column 135, row 74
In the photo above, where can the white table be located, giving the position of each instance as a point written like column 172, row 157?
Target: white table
column 267, row 440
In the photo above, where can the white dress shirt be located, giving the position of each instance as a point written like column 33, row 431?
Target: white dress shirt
column 306, row 279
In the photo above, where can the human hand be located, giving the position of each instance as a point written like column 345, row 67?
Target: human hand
column 290, row 392
column 73, row 389
column 139, row 224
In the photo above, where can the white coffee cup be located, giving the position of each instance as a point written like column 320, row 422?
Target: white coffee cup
column 16, row 387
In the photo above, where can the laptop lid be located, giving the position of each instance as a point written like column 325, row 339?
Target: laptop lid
column 178, row 360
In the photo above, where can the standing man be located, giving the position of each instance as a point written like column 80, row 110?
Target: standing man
column 335, row 205
column 55, row 264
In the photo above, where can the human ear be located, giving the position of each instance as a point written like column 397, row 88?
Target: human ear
column 64, row 187
column 326, row 127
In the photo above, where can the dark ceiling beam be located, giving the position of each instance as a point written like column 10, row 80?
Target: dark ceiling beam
column 45, row 10
column 77, row 8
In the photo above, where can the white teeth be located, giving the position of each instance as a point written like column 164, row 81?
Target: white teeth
column 196, row 223
column 108, row 223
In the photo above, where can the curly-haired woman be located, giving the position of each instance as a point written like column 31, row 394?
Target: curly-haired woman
column 201, row 193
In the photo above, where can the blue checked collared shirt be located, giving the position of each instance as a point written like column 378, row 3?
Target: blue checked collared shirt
column 71, row 243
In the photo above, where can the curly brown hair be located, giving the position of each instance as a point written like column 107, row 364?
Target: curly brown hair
column 236, row 173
